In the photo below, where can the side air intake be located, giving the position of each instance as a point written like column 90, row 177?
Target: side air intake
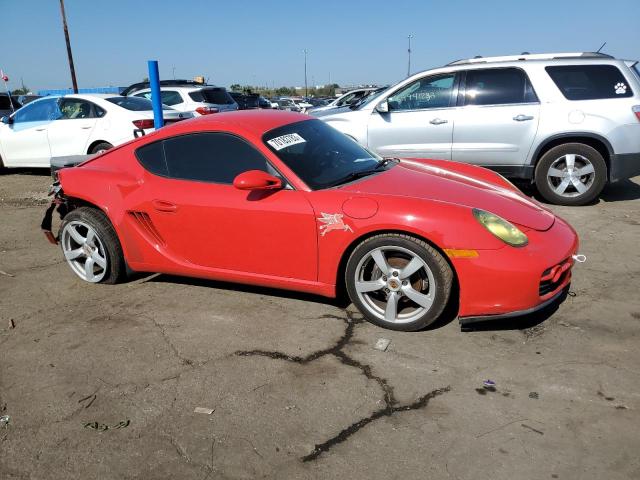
column 143, row 221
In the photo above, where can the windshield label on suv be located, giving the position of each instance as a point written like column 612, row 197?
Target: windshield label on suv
column 285, row 141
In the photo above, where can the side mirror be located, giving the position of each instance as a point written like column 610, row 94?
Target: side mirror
column 257, row 180
column 383, row 107
column 7, row 120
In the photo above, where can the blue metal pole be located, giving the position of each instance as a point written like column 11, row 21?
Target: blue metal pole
column 154, row 83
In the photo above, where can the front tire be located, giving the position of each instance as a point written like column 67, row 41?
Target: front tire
column 91, row 246
column 398, row 282
column 571, row 174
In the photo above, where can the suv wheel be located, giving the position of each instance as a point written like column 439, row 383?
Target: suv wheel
column 571, row 174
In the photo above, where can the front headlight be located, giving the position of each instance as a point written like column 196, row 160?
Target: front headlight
column 502, row 229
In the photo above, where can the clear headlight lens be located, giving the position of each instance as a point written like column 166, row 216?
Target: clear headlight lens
column 498, row 226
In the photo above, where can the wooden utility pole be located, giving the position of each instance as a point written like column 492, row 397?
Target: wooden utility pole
column 66, row 37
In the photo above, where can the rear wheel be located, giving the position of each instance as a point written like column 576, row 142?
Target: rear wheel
column 571, row 174
column 91, row 246
column 101, row 147
column 398, row 282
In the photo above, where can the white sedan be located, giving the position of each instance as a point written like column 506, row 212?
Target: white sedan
column 74, row 125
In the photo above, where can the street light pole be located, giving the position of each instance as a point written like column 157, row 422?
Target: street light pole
column 305, row 73
column 66, row 37
column 409, row 37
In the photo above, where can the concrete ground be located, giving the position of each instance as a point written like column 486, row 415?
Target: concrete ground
column 102, row 381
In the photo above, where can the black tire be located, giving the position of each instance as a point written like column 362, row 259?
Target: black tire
column 571, row 197
column 438, row 265
column 102, row 146
column 116, row 265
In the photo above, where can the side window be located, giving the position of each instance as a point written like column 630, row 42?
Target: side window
column 151, row 157
column 146, row 95
column 170, row 97
column 73, row 108
column 428, row 92
column 40, row 111
column 498, row 86
column 590, row 82
column 204, row 157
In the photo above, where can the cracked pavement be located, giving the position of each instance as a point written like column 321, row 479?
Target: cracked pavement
column 298, row 390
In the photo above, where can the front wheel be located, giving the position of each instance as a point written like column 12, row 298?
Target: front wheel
column 101, row 148
column 398, row 282
column 571, row 174
column 91, row 246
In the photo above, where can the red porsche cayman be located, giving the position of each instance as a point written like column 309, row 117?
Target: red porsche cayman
column 282, row 200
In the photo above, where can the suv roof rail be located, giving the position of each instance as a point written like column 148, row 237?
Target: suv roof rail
column 163, row 83
column 529, row 56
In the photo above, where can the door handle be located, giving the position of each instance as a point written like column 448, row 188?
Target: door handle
column 86, row 127
column 523, row 118
column 40, row 129
column 164, row 206
column 438, row 121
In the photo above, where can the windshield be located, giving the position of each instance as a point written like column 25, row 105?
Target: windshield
column 135, row 104
column 367, row 98
column 320, row 155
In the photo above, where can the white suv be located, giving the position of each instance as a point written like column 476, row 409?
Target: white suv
column 199, row 100
column 568, row 122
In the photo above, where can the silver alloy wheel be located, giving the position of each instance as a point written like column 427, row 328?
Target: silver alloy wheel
column 395, row 284
column 84, row 251
column 571, row 175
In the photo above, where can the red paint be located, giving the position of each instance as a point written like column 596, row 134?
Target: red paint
column 273, row 238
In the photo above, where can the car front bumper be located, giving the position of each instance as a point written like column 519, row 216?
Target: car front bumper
column 516, row 281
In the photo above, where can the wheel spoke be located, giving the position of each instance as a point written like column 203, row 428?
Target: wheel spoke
column 73, row 254
column 88, row 268
column 370, row 286
column 580, row 187
column 381, row 261
column 570, row 160
column 412, row 267
column 76, row 235
column 90, row 235
column 100, row 260
column 586, row 170
column 420, row 298
column 560, row 189
column 392, row 307
column 554, row 172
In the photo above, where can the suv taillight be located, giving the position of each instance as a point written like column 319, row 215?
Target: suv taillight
column 636, row 110
column 206, row 110
column 142, row 124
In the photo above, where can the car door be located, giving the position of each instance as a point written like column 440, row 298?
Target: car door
column 24, row 140
column 207, row 222
column 420, row 120
column 70, row 134
column 498, row 118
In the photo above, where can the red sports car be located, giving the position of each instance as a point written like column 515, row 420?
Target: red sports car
column 282, row 200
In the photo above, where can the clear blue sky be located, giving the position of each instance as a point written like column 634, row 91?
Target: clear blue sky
column 261, row 43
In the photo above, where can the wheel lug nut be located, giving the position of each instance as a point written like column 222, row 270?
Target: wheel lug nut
column 405, row 283
column 395, row 274
column 384, row 278
column 386, row 290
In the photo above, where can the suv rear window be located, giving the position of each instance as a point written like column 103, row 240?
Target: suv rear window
column 590, row 82
column 219, row 96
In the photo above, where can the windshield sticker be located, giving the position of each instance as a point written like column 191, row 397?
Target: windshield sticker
column 332, row 221
column 620, row 88
column 285, row 141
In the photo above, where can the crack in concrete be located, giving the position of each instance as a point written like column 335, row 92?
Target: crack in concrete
column 391, row 405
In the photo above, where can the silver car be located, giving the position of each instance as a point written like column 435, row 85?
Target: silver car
column 568, row 122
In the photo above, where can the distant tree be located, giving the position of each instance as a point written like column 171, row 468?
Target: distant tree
column 145, row 79
column 21, row 91
column 236, row 87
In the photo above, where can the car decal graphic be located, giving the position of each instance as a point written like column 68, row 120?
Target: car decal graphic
column 332, row 221
column 285, row 141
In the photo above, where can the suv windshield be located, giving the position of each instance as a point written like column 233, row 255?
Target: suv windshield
column 135, row 104
column 320, row 155
column 218, row 96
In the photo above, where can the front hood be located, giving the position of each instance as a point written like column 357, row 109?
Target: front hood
column 423, row 181
column 329, row 111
